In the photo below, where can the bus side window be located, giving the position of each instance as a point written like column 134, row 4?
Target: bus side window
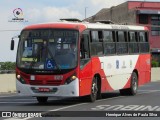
column 84, row 50
column 143, row 42
column 133, row 42
column 96, row 43
column 100, row 36
column 109, row 42
column 96, row 36
column 122, row 45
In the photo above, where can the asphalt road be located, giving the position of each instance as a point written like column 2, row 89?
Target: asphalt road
column 110, row 106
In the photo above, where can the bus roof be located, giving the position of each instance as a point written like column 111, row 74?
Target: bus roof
column 84, row 25
column 114, row 26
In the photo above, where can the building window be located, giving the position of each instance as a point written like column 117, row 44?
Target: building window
column 155, row 22
column 143, row 19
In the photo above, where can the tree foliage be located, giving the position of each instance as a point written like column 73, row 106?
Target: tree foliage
column 7, row 65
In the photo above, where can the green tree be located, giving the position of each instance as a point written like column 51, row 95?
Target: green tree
column 8, row 65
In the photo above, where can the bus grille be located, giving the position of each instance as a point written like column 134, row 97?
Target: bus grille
column 45, row 82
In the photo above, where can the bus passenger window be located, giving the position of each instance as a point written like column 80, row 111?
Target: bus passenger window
column 109, row 42
column 122, row 45
column 133, row 42
column 96, row 43
column 108, row 36
column 97, row 36
column 132, row 37
column 100, row 36
column 142, row 37
column 143, row 42
column 120, row 36
column 97, row 49
column 94, row 35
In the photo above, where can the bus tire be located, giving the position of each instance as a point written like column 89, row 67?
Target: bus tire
column 133, row 87
column 42, row 99
column 94, row 91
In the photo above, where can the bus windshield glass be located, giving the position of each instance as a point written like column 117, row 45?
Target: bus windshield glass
column 48, row 49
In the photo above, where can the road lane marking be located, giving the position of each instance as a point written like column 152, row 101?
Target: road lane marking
column 8, row 96
column 150, row 90
column 126, row 108
column 15, row 102
column 110, row 98
column 67, row 107
column 17, row 99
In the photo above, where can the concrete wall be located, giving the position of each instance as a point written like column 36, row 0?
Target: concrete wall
column 8, row 83
column 155, row 74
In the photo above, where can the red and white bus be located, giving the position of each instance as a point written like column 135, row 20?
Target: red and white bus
column 68, row 59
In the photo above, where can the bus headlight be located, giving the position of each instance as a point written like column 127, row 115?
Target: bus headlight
column 70, row 79
column 20, row 79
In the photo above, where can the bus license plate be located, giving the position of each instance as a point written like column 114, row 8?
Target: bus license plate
column 44, row 90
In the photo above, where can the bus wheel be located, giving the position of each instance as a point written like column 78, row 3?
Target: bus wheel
column 42, row 99
column 133, row 88
column 94, row 90
column 134, row 84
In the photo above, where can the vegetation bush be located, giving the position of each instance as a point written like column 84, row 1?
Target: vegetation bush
column 7, row 67
column 155, row 64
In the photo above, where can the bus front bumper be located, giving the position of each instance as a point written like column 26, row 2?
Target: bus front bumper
column 69, row 90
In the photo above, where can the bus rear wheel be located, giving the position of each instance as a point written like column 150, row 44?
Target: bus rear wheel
column 42, row 99
column 133, row 87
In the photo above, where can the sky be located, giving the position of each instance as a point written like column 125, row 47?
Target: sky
column 39, row 11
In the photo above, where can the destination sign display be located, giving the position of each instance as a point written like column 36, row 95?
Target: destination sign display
column 53, row 33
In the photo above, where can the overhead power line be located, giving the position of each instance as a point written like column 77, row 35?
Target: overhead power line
column 8, row 30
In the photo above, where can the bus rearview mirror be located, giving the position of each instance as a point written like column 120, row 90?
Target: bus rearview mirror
column 12, row 44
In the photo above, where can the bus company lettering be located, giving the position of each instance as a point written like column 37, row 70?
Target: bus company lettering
column 127, row 108
column 120, row 27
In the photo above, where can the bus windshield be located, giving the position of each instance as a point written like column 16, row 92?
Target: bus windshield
column 47, row 49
